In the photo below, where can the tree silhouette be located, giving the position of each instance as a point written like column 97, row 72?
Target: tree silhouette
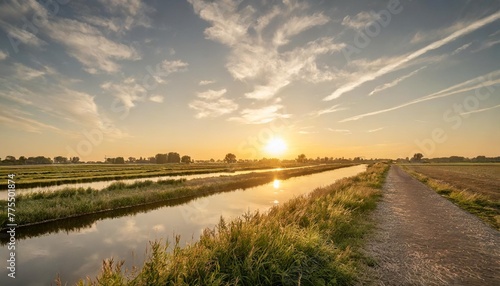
column 417, row 157
column 301, row 158
column 174, row 157
column 230, row 158
column 161, row 158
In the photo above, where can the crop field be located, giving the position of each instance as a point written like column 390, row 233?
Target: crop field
column 47, row 175
column 482, row 179
column 473, row 187
column 69, row 202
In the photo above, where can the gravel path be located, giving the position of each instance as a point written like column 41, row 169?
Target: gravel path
column 424, row 239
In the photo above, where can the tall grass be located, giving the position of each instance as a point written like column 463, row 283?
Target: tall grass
column 71, row 202
column 309, row 240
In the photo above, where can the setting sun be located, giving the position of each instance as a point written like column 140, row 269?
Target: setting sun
column 276, row 146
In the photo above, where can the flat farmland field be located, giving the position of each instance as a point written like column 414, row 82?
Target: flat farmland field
column 55, row 174
column 482, row 179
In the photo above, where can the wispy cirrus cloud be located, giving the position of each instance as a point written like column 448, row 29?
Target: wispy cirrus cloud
column 414, row 55
column 3, row 55
column 261, row 115
column 123, row 15
column 206, row 82
column 332, row 109
column 486, row 80
column 360, row 20
column 461, row 49
column 376, row 130
column 394, row 82
column 211, row 103
column 480, row 110
column 343, row 131
column 24, row 123
column 157, row 98
column 89, row 46
column 129, row 91
column 249, row 34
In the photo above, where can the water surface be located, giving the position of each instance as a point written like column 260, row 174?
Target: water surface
column 79, row 253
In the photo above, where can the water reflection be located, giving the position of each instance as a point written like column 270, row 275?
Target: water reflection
column 99, row 185
column 276, row 184
column 75, row 248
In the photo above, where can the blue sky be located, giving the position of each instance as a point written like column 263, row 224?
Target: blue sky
column 204, row 78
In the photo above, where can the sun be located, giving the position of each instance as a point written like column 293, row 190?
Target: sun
column 276, row 146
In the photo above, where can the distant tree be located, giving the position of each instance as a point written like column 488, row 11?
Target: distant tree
column 9, row 160
column 417, row 157
column 119, row 160
column 186, row 159
column 22, row 160
column 152, row 160
column 174, row 157
column 212, row 160
column 230, row 158
column 60, row 160
column 301, row 158
column 131, row 159
column 75, row 160
column 161, row 158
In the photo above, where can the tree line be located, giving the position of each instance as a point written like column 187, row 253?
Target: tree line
column 419, row 158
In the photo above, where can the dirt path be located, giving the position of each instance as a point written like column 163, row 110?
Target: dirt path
column 423, row 239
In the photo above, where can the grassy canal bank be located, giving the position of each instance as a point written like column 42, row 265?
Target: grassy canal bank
column 42, row 207
column 310, row 240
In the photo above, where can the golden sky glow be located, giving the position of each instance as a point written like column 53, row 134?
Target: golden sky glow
column 204, row 78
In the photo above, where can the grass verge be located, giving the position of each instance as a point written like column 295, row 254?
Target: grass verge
column 70, row 202
column 482, row 206
column 309, row 240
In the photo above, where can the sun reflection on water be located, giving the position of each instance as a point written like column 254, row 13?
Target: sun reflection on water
column 276, row 184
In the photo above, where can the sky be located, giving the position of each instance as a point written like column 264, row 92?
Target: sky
column 375, row 79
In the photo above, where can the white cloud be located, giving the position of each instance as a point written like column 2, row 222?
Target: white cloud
column 126, row 14
column 261, row 115
column 343, row 131
column 206, row 82
column 360, row 21
column 296, row 25
column 89, row 46
column 212, row 104
column 435, row 34
column 391, row 67
column 461, row 48
column 214, row 108
column 128, row 91
column 3, row 55
column 395, row 82
column 486, row 45
column 23, row 72
column 14, row 120
column 250, row 36
column 212, row 94
column 23, row 36
column 156, row 98
column 375, row 130
column 489, row 79
column 480, row 110
column 331, row 109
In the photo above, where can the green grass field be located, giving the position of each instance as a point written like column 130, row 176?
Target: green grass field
column 473, row 187
column 309, row 240
column 70, row 202
column 48, row 175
